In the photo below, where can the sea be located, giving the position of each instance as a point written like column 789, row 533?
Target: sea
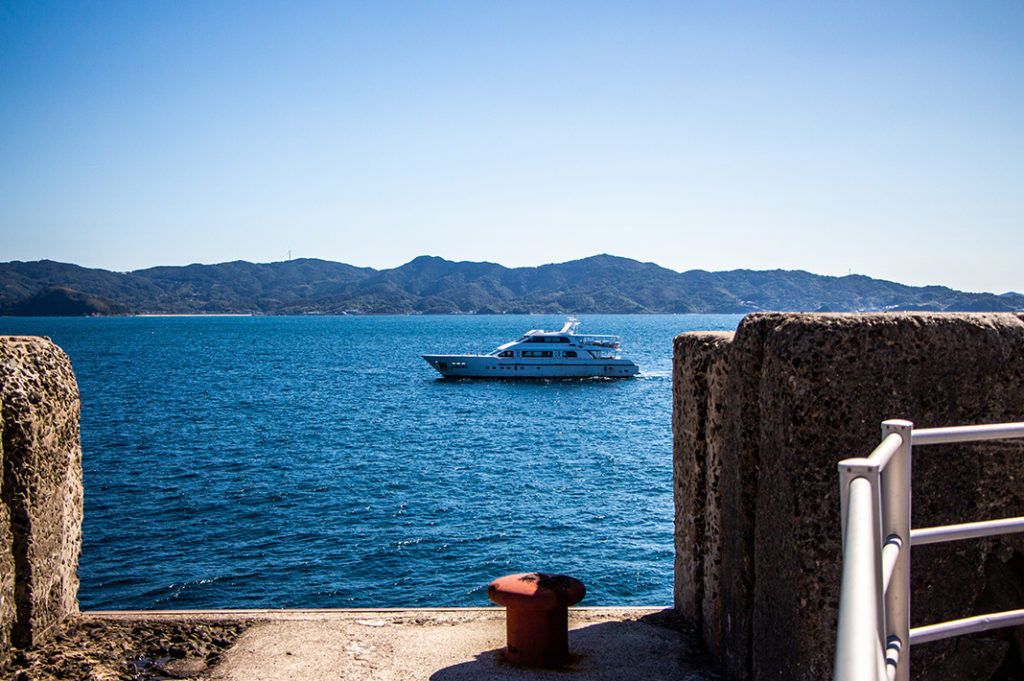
column 319, row 462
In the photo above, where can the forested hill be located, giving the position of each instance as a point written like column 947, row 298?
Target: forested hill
column 431, row 285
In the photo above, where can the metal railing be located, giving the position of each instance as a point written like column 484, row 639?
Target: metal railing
column 874, row 633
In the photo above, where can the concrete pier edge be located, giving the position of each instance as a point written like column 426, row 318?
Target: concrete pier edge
column 606, row 643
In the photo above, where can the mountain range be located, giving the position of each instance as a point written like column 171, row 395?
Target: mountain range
column 433, row 285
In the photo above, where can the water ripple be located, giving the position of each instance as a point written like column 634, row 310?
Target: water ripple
column 317, row 462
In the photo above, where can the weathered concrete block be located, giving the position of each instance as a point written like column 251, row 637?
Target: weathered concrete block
column 42, row 483
column 740, row 457
column 699, row 376
column 806, row 391
column 7, row 610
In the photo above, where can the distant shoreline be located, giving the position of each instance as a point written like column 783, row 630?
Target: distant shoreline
column 429, row 285
column 192, row 314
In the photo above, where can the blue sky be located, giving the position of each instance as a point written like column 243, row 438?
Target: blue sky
column 881, row 138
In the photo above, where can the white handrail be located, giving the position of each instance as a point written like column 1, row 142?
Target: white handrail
column 968, row 625
column 874, row 602
column 859, row 650
column 886, row 449
column 985, row 528
column 890, row 554
column 991, row 431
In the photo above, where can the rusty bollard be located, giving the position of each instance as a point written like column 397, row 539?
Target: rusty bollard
column 537, row 616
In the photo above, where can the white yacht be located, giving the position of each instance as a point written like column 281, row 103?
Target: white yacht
column 542, row 354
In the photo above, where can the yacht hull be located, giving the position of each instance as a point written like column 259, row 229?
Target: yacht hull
column 485, row 366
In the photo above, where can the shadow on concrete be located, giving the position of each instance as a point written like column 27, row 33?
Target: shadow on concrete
column 650, row 648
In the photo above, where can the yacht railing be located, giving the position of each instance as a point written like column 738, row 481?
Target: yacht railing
column 874, row 634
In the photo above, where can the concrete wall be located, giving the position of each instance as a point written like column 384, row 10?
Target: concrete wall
column 40, row 491
column 761, row 419
column 7, row 609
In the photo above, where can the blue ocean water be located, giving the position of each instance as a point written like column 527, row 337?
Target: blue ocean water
column 292, row 462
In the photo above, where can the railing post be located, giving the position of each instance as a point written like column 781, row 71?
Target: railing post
column 859, row 655
column 896, row 521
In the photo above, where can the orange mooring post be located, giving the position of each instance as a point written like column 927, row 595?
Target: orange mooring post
column 537, row 616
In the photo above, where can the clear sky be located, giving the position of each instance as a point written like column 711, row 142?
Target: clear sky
column 881, row 138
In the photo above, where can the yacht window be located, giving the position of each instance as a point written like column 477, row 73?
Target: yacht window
column 569, row 353
column 505, row 353
column 536, row 353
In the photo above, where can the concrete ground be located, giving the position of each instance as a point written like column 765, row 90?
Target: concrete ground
column 445, row 645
